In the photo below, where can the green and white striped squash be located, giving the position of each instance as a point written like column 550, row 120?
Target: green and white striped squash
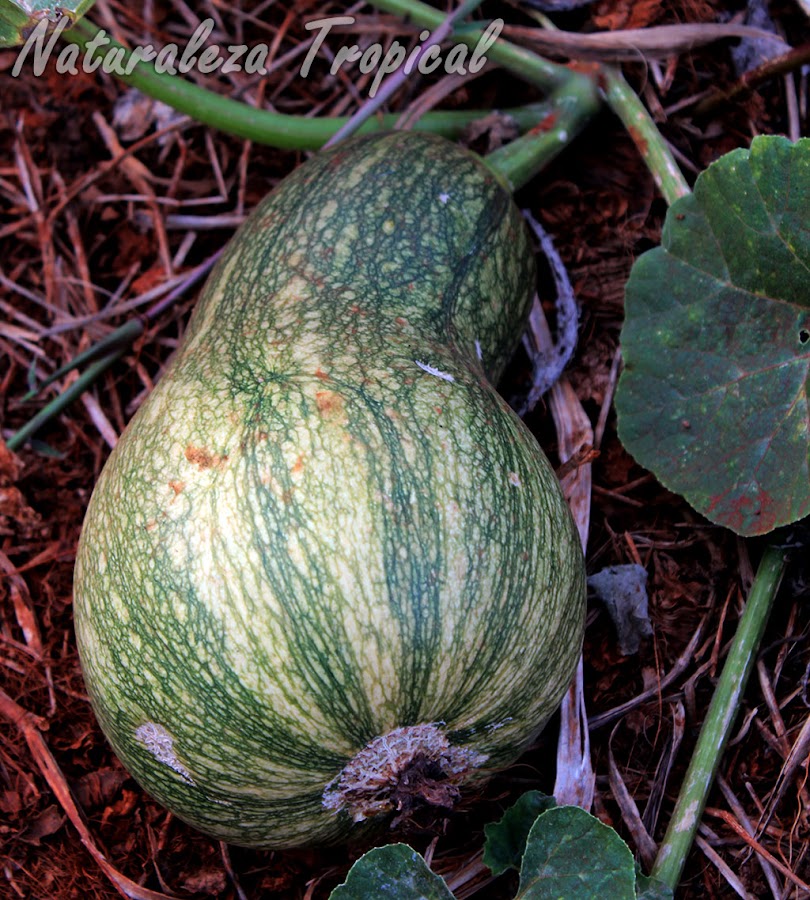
column 325, row 551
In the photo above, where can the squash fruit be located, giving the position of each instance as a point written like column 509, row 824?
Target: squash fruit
column 326, row 560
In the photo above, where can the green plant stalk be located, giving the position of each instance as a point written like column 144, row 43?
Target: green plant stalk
column 110, row 344
column 572, row 107
column 574, row 96
column 717, row 726
column 79, row 386
column 526, row 64
column 624, row 102
column 287, row 132
column 125, row 334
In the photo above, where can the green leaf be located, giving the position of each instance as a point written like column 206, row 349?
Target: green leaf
column 13, row 20
column 716, row 342
column 506, row 839
column 18, row 18
column 396, row 871
column 571, row 855
column 648, row 888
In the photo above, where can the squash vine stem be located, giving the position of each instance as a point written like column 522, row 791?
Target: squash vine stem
column 287, row 132
column 654, row 150
column 717, row 726
column 572, row 106
column 523, row 63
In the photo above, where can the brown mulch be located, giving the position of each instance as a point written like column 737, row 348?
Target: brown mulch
column 102, row 202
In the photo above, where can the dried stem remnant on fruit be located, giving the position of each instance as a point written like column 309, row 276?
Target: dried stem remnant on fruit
column 404, row 768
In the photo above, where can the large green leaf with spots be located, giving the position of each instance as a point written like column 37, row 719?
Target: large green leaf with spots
column 571, row 855
column 396, row 872
column 716, row 342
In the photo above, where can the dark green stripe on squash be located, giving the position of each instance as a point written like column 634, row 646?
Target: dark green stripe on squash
column 324, row 524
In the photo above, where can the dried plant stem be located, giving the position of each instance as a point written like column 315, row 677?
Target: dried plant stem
column 629, row 44
column 575, row 779
column 29, row 726
column 717, row 726
column 791, row 61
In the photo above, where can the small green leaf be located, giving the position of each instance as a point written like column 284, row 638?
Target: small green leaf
column 396, row 871
column 506, row 839
column 648, row 888
column 13, row 20
column 571, row 855
column 716, row 342
column 18, row 18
